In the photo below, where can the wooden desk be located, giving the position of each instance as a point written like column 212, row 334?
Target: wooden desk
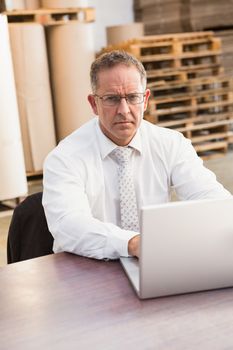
column 67, row 302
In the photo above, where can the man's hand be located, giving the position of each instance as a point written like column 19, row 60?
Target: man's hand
column 134, row 246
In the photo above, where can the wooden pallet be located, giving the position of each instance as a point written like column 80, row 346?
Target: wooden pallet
column 195, row 63
column 183, row 74
column 34, row 174
column 230, row 141
column 175, row 48
column 215, row 96
column 212, row 150
column 165, row 43
column 166, row 47
column 174, row 121
column 192, row 72
column 179, row 79
column 186, row 122
column 48, row 17
column 196, row 88
column 187, row 37
column 199, row 132
column 182, row 58
column 210, row 140
column 6, row 207
column 186, row 106
column 162, row 78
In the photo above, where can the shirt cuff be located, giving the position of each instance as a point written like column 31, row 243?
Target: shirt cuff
column 122, row 244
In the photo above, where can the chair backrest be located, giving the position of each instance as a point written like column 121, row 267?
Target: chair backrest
column 28, row 235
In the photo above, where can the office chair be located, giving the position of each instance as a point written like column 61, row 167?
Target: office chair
column 28, row 235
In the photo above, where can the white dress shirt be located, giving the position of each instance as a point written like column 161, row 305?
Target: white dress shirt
column 81, row 197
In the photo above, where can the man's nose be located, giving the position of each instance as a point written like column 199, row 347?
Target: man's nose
column 123, row 107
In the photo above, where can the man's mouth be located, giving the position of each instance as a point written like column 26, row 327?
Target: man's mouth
column 124, row 122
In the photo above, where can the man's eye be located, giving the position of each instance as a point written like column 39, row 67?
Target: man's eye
column 132, row 97
column 111, row 98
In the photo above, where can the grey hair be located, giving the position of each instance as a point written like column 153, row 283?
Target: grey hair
column 112, row 59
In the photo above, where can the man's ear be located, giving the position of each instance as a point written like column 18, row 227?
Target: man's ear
column 146, row 98
column 92, row 101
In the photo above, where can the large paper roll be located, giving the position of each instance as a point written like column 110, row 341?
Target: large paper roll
column 14, row 5
column 32, row 4
column 71, row 52
column 13, row 182
column 33, row 92
column 117, row 34
column 64, row 3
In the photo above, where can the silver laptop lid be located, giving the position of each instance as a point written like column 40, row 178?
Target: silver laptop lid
column 186, row 246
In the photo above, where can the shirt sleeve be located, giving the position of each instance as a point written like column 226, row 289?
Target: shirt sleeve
column 69, row 216
column 190, row 178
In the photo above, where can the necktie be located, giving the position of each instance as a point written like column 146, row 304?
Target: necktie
column 128, row 204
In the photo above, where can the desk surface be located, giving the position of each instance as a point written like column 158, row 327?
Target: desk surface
column 68, row 302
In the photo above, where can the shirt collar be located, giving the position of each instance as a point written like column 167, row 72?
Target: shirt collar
column 107, row 146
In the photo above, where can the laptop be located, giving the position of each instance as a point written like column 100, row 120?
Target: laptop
column 185, row 247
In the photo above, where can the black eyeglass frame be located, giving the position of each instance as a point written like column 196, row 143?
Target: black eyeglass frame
column 119, row 97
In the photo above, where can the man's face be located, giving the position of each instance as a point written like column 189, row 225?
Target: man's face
column 120, row 122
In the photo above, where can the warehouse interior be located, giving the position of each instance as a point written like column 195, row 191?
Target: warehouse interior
column 47, row 48
column 142, row 232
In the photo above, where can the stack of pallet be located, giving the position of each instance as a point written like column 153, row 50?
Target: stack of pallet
column 167, row 16
column 190, row 93
column 226, row 36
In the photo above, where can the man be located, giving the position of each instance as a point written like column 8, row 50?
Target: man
column 82, row 197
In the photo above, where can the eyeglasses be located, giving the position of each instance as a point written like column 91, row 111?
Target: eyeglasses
column 114, row 100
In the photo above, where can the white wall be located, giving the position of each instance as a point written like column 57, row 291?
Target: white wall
column 110, row 13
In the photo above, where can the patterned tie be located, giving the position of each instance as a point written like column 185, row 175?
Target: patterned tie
column 128, row 204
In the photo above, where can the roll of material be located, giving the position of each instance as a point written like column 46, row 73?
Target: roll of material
column 30, row 63
column 13, row 182
column 64, row 3
column 117, row 34
column 21, row 4
column 14, row 5
column 71, row 52
column 32, row 4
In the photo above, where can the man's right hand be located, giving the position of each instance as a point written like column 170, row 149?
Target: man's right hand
column 134, row 246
